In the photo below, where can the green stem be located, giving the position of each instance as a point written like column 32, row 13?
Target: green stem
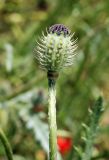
column 92, row 130
column 52, row 120
column 6, row 145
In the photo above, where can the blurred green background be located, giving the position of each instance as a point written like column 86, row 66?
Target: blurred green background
column 23, row 85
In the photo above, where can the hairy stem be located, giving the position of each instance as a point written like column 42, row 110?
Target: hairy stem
column 52, row 120
column 6, row 145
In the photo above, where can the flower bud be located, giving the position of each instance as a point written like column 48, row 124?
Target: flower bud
column 56, row 49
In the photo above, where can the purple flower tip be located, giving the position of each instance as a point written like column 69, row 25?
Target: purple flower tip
column 59, row 29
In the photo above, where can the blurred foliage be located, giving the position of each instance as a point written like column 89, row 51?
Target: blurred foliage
column 21, row 23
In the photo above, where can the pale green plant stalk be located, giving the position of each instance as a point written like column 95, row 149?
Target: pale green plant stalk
column 54, row 52
column 6, row 145
column 52, row 120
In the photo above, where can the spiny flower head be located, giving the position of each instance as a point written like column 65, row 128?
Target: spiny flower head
column 56, row 49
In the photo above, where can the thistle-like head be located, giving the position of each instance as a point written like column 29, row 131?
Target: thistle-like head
column 56, row 49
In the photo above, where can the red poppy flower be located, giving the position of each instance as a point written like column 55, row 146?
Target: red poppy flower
column 64, row 144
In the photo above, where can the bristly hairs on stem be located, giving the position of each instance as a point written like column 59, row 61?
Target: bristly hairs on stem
column 53, row 52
